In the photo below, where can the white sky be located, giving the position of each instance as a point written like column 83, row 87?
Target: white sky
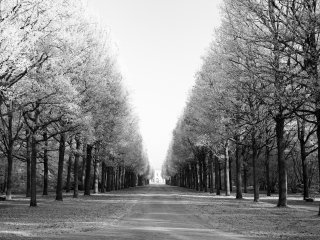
column 160, row 44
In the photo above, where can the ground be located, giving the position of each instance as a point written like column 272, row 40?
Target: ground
column 158, row 212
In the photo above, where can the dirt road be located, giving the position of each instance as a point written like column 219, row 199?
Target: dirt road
column 158, row 212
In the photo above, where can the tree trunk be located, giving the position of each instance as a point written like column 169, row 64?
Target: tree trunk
column 193, row 182
column 140, row 180
column 33, row 199
column 33, row 177
column 28, row 159
column 200, row 170
column 103, row 177
column 68, row 185
column 217, row 174
column 301, row 136
column 318, row 138
column 9, row 172
column 230, row 171
column 87, row 184
column 282, row 164
column 108, row 179
column 112, row 187
column 45, row 164
column 311, row 62
column 123, row 177
column 226, row 170
column 245, row 178
column 119, row 177
column 4, row 184
column 220, row 176
column 267, row 163
column 196, row 180
column 211, row 172
column 238, row 170
column 116, row 178
column 254, row 169
column 62, row 147
column 9, row 154
column 189, row 176
column 96, row 175
column 83, row 167
column 126, row 185
column 205, row 169
column 76, row 168
column 134, row 179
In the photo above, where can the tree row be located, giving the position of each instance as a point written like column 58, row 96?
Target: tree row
column 62, row 97
column 252, row 118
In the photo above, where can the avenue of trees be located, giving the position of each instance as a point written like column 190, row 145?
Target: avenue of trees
column 253, row 116
column 65, row 119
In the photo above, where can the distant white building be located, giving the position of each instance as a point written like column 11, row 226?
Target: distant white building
column 157, row 179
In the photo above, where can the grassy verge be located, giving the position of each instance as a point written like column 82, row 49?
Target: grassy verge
column 51, row 217
column 262, row 220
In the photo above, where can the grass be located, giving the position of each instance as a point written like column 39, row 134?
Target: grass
column 18, row 220
column 261, row 220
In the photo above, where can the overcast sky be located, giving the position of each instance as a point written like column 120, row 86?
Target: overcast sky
column 160, row 44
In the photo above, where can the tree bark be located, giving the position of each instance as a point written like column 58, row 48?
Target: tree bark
column 134, row 179
column 28, row 159
column 211, row 171
column 254, row 169
column 238, row 170
column 120, row 177
column 226, row 170
column 33, row 199
column 196, row 180
column 108, row 179
column 282, row 164
column 9, row 151
column 96, row 175
column 245, row 178
column 230, row 171
column 83, row 167
column 279, row 117
column 116, row 176
column 103, row 177
column 45, row 164
column 318, row 138
column 220, row 176
column 33, row 165
column 140, row 180
column 76, row 168
column 205, row 169
column 68, row 185
column 88, row 170
column 193, row 182
column 62, row 147
column 200, row 170
column 267, row 163
column 9, row 174
column 303, row 154
column 217, row 174
column 112, row 188
column 123, row 177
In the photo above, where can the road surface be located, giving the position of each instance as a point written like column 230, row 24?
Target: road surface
column 159, row 212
